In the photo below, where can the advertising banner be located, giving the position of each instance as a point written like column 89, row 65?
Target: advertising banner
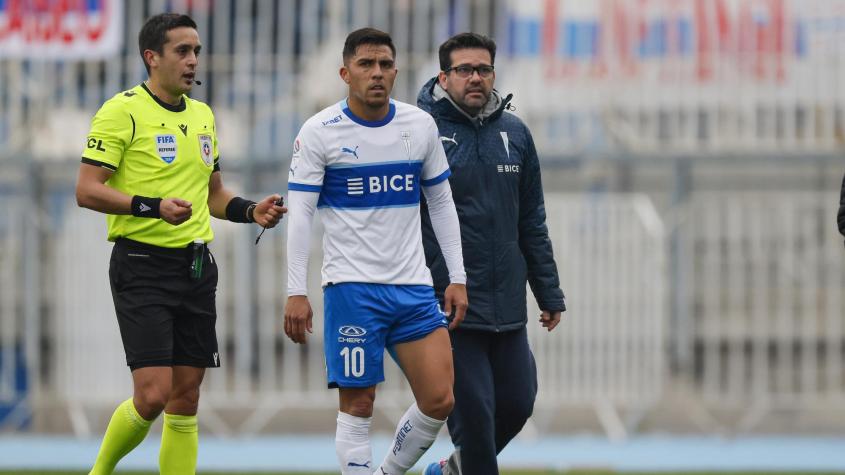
column 60, row 29
column 689, row 73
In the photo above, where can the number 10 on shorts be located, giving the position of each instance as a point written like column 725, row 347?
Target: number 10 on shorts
column 353, row 361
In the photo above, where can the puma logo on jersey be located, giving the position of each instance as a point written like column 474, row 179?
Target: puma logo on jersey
column 350, row 151
column 447, row 139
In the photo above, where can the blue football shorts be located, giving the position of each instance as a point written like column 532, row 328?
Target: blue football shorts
column 361, row 320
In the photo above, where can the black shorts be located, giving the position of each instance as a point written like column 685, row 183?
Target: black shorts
column 166, row 318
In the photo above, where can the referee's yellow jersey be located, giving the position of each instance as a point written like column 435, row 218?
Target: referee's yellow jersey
column 156, row 150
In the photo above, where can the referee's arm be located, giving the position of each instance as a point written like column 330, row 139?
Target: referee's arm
column 93, row 193
column 223, row 204
column 218, row 196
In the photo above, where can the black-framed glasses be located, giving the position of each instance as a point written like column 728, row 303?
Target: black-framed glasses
column 465, row 71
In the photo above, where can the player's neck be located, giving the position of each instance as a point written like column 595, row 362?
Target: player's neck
column 162, row 94
column 366, row 112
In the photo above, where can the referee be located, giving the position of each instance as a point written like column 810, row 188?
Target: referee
column 151, row 165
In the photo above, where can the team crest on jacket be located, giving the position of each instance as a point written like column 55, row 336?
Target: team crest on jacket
column 166, row 147
column 206, row 149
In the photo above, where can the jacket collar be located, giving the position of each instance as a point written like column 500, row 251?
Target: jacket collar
column 434, row 100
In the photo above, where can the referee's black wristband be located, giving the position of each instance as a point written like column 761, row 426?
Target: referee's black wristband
column 144, row 207
column 240, row 210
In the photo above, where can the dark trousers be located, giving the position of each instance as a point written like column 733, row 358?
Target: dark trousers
column 495, row 388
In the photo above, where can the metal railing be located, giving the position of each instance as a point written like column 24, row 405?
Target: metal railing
column 607, row 354
column 764, row 269
column 768, row 274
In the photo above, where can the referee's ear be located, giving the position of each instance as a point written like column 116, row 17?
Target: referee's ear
column 151, row 58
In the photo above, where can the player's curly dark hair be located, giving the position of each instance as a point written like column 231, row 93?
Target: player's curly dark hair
column 153, row 34
column 366, row 36
column 465, row 41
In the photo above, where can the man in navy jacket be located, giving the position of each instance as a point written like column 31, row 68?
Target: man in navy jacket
column 499, row 197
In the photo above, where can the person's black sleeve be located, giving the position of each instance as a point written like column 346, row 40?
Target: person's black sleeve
column 534, row 234
column 840, row 216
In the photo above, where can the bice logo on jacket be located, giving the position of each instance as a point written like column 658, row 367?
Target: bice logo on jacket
column 166, row 147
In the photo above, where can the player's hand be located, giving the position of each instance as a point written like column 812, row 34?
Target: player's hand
column 298, row 316
column 455, row 300
column 267, row 213
column 175, row 210
column 550, row 319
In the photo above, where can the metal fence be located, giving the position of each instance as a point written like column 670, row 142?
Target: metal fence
column 14, row 383
column 766, row 331
column 768, row 305
column 607, row 354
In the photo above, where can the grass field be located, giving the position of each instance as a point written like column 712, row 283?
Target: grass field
column 510, row 472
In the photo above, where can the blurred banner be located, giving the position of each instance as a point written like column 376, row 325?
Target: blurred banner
column 60, row 29
column 591, row 78
column 679, row 76
column 692, row 40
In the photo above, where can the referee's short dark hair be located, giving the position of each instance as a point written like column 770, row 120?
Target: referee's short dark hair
column 465, row 41
column 153, row 34
column 366, row 36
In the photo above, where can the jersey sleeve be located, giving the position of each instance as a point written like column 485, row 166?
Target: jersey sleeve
column 112, row 129
column 308, row 163
column 435, row 166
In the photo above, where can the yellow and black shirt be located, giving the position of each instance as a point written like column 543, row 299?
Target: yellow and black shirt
column 158, row 150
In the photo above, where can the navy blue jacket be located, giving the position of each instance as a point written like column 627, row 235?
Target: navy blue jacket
column 499, row 198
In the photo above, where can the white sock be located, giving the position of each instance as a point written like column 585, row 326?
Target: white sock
column 414, row 435
column 352, row 444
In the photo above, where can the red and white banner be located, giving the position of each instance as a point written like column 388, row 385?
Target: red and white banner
column 60, row 29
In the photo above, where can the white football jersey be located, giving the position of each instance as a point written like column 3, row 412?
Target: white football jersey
column 368, row 175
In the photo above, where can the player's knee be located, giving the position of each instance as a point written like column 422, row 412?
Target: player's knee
column 150, row 401
column 438, row 406
column 357, row 402
column 187, row 399
column 361, row 407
